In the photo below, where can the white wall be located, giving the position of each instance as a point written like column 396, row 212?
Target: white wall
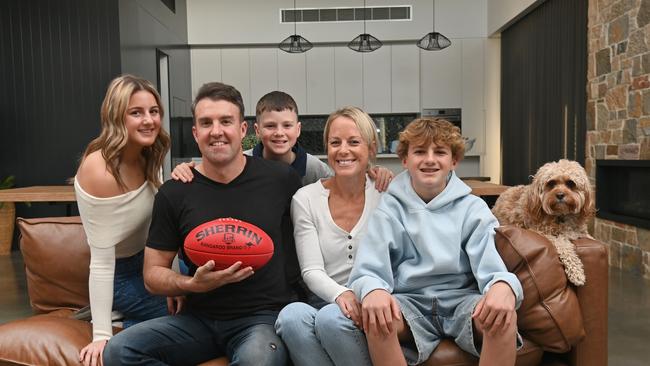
column 236, row 22
column 502, row 13
column 491, row 161
column 236, row 42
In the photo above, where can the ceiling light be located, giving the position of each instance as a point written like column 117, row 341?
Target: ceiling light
column 295, row 43
column 364, row 42
column 433, row 41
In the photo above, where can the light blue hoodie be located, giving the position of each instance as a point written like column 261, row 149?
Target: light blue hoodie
column 421, row 251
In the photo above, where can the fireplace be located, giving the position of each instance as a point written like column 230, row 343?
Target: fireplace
column 623, row 191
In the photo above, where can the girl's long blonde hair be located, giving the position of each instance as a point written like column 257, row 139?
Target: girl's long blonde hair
column 114, row 136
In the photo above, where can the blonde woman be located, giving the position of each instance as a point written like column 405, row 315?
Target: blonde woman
column 329, row 218
column 115, row 186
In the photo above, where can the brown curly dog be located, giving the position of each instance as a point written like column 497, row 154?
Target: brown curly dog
column 557, row 204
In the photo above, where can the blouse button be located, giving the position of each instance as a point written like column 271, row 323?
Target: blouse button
column 350, row 256
column 349, row 236
column 349, row 246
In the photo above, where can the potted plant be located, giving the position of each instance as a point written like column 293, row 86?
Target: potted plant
column 7, row 219
column 249, row 141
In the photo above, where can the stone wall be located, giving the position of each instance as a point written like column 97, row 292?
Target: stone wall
column 618, row 110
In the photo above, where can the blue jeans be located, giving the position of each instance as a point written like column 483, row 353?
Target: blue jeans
column 129, row 295
column 321, row 337
column 189, row 339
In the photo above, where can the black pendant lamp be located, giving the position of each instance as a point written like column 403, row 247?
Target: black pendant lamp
column 295, row 43
column 364, row 42
column 433, row 41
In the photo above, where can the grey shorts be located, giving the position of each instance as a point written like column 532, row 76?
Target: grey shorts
column 449, row 319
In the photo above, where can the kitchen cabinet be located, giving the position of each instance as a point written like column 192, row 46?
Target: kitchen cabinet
column 264, row 73
column 320, row 80
column 377, row 80
column 440, row 77
column 405, row 78
column 348, row 74
column 235, row 70
column 472, row 83
column 206, row 67
column 292, row 77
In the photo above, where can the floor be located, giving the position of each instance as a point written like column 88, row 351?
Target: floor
column 629, row 310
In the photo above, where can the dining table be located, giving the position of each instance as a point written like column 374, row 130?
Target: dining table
column 51, row 194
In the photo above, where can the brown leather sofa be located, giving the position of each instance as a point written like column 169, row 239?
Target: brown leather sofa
column 561, row 325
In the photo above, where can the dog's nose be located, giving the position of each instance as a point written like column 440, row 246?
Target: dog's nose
column 559, row 196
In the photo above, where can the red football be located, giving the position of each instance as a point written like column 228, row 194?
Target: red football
column 227, row 241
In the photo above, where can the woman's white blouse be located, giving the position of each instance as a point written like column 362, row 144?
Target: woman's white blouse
column 325, row 251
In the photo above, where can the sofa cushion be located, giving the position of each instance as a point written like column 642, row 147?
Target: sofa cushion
column 448, row 353
column 45, row 339
column 550, row 313
column 56, row 258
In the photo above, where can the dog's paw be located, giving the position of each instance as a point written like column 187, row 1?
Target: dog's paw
column 575, row 275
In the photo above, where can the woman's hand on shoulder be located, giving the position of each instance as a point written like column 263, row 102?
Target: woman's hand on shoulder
column 183, row 172
column 350, row 307
column 91, row 355
column 95, row 179
column 382, row 176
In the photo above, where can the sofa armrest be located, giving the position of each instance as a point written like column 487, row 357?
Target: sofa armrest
column 593, row 299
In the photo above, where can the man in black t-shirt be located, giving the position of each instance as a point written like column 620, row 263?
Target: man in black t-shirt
column 228, row 312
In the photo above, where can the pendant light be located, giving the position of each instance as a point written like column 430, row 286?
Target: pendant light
column 433, row 41
column 295, row 43
column 364, row 42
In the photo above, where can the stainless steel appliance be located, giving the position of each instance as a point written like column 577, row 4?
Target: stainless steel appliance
column 452, row 115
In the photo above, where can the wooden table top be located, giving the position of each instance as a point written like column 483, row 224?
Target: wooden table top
column 38, row 194
column 66, row 193
column 485, row 188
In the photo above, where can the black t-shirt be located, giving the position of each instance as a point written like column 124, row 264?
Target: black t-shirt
column 260, row 195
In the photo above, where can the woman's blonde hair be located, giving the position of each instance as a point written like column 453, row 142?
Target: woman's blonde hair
column 424, row 131
column 364, row 123
column 114, row 136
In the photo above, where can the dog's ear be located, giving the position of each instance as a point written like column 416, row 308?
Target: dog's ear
column 582, row 179
column 534, row 193
column 588, row 208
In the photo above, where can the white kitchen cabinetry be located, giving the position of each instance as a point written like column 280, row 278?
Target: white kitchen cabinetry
column 405, row 79
column 264, row 73
column 348, row 73
column 440, row 77
column 235, row 65
column 472, row 83
column 292, row 77
column 320, row 80
column 377, row 80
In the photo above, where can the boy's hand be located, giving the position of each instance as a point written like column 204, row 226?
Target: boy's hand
column 382, row 177
column 183, row 172
column 350, row 306
column 496, row 310
column 379, row 310
column 206, row 278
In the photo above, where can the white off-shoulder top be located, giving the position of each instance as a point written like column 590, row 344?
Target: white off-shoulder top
column 116, row 227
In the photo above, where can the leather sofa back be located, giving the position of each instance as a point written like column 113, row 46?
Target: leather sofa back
column 550, row 314
column 56, row 259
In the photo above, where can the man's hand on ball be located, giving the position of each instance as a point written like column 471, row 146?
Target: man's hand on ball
column 207, row 279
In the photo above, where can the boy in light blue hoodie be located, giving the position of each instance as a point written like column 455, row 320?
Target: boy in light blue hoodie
column 428, row 268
